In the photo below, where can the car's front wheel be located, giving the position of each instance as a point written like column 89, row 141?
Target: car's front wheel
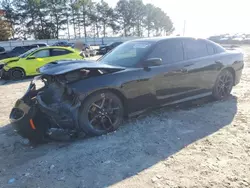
column 223, row 85
column 17, row 74
column 102, row 112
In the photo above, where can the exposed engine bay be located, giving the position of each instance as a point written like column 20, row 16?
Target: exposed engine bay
column 50, row 107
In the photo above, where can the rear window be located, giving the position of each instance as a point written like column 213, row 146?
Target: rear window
column 210, row 49
column 218, row 48
column 194, row 48
column 214, row 48
column 57, row 52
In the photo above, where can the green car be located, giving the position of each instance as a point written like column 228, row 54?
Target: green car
column 28, row 63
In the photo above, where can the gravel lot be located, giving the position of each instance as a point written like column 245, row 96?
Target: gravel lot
column 197, row 144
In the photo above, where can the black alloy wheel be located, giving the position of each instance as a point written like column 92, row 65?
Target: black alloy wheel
column 101, row 113
column 17, row 74
column 223, row 85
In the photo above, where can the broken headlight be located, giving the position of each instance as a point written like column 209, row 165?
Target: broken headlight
column 38, row 82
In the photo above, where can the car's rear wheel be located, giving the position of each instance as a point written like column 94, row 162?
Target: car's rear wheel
column 101, row 113
column 17, row 74
column 223, row 85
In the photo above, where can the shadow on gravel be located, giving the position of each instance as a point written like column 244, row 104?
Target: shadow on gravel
column 138, row 145
column 8, row 82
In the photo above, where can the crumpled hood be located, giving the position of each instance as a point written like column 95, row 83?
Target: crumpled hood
column 10, row 60
column 64, row 66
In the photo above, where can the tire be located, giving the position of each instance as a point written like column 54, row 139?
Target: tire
column 102, row 112
column 17, row 74
column 223, row 85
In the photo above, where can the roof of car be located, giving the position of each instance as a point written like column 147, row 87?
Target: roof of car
column 157, row 39
column 53, row 47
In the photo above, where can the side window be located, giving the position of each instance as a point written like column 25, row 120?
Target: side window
column 195, row 48
column 218, row 48
column 18, row 49
column 170, row 51
column 30, row 47
column 57, row 52
column 210, row 49
column 41, row 54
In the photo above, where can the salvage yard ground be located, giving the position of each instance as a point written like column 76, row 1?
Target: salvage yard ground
column 199, row 144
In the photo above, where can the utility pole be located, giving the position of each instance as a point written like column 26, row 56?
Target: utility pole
column 184, row 28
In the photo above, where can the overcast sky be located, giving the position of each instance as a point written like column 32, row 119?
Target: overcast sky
column 205, row 17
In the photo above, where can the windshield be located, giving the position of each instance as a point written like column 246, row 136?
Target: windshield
column 127, row 54
column 109, row 44
column 27, row 53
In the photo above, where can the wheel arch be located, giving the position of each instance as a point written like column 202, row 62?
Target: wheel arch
column 230, row 69
column 117, row 92
column 17, row 68
column 13, row 68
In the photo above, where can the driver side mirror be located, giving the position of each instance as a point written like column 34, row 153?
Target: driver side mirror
column 31, row 57
column 152, row 62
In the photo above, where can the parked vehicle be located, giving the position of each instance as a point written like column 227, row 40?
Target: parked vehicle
column 2, row 50
column 90, row 51
column 81, row 96
column 63, row 44
column 28, row 63
column 72, row 44
column 18, row 50
column 93, row 52
column 86, row 49
column 41, row 44
column 106, row 48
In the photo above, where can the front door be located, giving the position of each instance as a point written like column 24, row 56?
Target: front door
column 172, row 81
column 37, row 59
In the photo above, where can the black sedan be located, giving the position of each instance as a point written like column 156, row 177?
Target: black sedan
column 63, row 44
column 2, row 50
column 18, row 50
column 106, row 48
column 82, row 96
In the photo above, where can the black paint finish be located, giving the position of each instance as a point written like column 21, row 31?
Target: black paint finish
column 144, row 87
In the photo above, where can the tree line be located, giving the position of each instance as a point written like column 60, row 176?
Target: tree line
column 46, row 19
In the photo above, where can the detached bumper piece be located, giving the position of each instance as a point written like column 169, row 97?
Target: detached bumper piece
column 48, row 112
column 28, row 121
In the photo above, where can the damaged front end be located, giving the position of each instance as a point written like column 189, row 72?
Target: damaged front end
column 50, row 109
column 26, row 118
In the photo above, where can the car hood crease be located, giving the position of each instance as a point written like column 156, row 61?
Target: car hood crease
column 64, row 66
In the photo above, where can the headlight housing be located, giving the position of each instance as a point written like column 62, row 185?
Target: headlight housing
column 38, row 82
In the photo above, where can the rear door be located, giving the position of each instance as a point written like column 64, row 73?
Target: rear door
column 203, row 63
